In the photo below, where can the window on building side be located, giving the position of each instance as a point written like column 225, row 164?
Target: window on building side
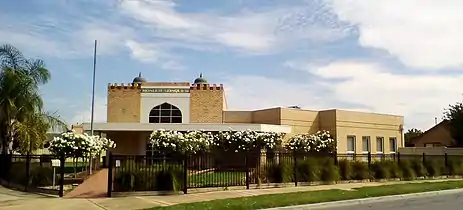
column 350, row 144
column 366, row 145
column 165, row 113
column 379, row 144
column 392, row 144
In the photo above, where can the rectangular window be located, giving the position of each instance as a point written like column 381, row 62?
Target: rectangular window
column 350, row 144
column 392, row 144
column 366, row 146
column 379, row 144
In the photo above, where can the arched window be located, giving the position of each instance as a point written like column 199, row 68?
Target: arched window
column 165, row 113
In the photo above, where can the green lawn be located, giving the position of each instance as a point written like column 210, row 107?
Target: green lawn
column 217, row 179
column 290, row 199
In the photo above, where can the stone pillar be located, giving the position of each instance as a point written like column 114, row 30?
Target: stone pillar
column 263, row 157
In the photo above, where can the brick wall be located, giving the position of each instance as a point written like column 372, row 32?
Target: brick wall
column 206, row 103
column 124, row 102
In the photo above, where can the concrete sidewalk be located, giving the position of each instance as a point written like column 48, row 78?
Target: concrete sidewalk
column 17, row 200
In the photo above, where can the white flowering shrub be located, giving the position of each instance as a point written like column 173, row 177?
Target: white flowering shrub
column 189, row 142
column 246, row 140
column 73, row 144
column 192, row 142
column 318, row 142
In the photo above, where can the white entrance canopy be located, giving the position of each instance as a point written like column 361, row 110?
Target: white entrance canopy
column 186, row 127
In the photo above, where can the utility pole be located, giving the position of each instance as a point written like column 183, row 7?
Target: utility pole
column 93, row 100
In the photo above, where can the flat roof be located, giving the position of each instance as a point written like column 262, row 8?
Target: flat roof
column 187, row 127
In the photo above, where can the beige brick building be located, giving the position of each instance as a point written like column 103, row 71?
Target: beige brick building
column 138, row 108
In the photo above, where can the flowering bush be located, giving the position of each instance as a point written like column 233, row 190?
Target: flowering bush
column 318, row 142
column 72, row 144
column 173, row 141
column 195, row 141
column 246, row 140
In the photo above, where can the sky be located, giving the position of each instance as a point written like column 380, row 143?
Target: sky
column 401, row 57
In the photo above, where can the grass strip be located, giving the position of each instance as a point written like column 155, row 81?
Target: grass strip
column 299, row 198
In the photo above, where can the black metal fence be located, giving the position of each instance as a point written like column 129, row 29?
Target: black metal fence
column 32, row 173
column 183, row 172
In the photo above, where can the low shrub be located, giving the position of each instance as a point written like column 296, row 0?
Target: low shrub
column 280, row 172
column 419, row 168
column 360, row 170
column 434, row 168
column 170, row 179
column 149, row 179
column 381, row 169
column 455, row 167
column 394, row 169
column 406, row 167
column 308, row 170
column 330, row 172
column 345, row 169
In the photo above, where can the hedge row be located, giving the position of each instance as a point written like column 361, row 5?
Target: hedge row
column 312, row 169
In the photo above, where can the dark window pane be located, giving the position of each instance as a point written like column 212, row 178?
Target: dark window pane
column 166, row 106
column 165, row 113
column 154, row 119
column 165, row 119
column 176, row 112
column 176, row 120
column 154, row 112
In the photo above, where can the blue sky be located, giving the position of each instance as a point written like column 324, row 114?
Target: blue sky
column 394, row 57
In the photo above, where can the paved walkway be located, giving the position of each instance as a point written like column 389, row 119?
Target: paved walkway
column 95, row 186
column 17, row 200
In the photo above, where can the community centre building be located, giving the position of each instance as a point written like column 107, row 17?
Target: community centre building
column 135, row 109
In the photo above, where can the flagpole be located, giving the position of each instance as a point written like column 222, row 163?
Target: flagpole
column 93, row 99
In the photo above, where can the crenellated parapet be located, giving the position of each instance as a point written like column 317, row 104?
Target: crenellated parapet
column 124, row 86
column 206, row 87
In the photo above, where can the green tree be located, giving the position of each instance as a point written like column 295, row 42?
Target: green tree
column 410, row 134
column 454, row 115
column 23, row 120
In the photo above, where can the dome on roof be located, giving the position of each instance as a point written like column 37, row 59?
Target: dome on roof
column 200, row 80
column 139, row 79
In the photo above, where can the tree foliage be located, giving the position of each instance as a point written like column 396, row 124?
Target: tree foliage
column 410, row 134
column 23, row 120
column 454, row 115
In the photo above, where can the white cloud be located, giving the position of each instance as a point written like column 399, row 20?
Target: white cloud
column 420, row 98
column 247, row 31
column 151, row 53
column 258, row 92
column 421, row 33
column 84, row 115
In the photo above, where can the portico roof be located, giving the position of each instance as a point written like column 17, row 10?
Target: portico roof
column 186, row 127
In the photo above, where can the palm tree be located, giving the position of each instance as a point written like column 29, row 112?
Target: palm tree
column 23, row 120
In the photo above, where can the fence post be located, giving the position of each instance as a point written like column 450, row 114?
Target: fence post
column 185, row 174
column 28, row 171
column 61, row 180
column 335, row 158
column 247, row 170
column 295, row 168
column 446, row 164
column 398, row 157
column 110, row 174
column 369, row 159
column 424, row 158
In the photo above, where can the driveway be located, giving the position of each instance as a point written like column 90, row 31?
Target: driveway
column 11, row 197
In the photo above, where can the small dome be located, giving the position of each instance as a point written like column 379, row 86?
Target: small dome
column 200, row 80
column 139, row 79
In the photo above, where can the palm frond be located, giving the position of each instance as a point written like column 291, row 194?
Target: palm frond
column 10, row 56
column 35, row 68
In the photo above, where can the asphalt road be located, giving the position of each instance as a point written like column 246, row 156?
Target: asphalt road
column 438, row 202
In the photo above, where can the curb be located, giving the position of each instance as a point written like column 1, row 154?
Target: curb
column 368, row 200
